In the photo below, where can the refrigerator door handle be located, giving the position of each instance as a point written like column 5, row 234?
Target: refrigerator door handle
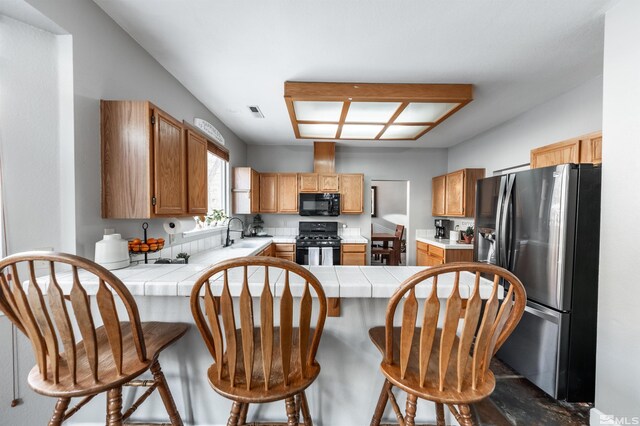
column 504, row 259
column 507, row 223
column 498, row 243
column 548, row 315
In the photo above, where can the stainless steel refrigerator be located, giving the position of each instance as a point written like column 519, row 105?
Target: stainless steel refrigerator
column 544, row 226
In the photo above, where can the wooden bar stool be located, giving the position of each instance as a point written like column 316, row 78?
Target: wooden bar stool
column 103, row 357
column 439, row 364
column 265, row 362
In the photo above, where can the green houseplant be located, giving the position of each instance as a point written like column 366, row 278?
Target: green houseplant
column 216, row 217
column 184, row 256
column 468, row 234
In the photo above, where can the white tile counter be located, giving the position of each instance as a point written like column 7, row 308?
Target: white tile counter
column 445, row 244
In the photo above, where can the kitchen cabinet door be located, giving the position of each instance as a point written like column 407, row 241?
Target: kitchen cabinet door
column 287, row 193
column 245, row 191
column 329, row 183
column 352, row 193
column 308, row 182
column 169, row 165
column 268, row 193
column 557, row 153
column 254, row 192
column 197, row 173
column 438, row 195
column 455, row 193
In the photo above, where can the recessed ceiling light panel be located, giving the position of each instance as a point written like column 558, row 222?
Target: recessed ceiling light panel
column 364, row 110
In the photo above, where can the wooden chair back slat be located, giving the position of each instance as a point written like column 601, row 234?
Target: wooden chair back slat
column 63, row 322
column 266, row 328
column 216, row 343
column 29, row 322
column 229, row 322
column 449, row 327
column 275, row 343
column 471, row 318
column 286, row 328
column 409, row 316
column 305, row 328
column 480, row 347
column 49, row 323
column 82, row 310
column 109, row 314
column 41, row 315
column 246, row 328
column 429, row 327
column 462, row 341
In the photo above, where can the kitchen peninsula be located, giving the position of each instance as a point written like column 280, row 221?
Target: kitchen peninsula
column 162, row 294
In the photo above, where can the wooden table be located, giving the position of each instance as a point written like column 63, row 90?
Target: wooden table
column 385, row 238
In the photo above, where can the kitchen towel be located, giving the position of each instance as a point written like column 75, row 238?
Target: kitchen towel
column 327, row 256
column 314, row 256
column 177, row 226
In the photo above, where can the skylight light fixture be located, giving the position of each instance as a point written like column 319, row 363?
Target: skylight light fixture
column 371, row 111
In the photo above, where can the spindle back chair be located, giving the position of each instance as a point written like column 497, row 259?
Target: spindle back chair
column 269, row 360
column 447, row 365
column 76, row 356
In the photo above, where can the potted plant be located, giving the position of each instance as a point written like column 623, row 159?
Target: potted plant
column 216, row 217
column 184, row 256
column 468, row 234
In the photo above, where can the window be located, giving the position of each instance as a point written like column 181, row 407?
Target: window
column 218, row 183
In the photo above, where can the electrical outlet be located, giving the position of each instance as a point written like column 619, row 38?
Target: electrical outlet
column 39, row 264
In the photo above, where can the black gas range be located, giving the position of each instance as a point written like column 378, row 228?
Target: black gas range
column 320, row 235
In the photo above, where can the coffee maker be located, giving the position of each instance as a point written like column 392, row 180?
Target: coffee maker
column 443, row 226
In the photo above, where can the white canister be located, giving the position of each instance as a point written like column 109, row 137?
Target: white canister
column 454, row 236
column 112, row 252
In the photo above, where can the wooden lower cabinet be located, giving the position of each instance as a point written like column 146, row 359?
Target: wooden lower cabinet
column 431, row 255
column 285, row 251
column 353, row 254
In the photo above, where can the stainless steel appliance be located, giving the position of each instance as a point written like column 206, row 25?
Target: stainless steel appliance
column 318, row 235
column 544, row 226
column 443, row 226
column 313, row 204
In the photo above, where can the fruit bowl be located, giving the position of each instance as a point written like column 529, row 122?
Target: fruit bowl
column 151, row 245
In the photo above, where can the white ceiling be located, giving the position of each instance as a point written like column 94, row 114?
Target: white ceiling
column 231, row 54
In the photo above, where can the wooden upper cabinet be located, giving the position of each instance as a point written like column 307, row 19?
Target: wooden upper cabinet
column 454, row 194
column 287, row 193
column 455, row 202
column 197, row 173
column 308, row 182
column 328, row 182
column 144, row 161
column 245, row 191
column 352, row 193
column 268, row 192
column 438, row 195
column 583, row 149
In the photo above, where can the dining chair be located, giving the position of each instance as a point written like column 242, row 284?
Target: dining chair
column 447, row 363
column 265, row 357
column 82, row 348
column 391, row 254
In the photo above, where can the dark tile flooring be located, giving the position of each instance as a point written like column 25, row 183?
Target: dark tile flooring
column 516, row 401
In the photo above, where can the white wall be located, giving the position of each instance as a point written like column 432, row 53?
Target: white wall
column 618, row 356
column 571, row 114
column 109, row 64
column 417, row 166
column 391, row 205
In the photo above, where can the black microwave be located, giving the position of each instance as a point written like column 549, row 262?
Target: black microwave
column 319, row 204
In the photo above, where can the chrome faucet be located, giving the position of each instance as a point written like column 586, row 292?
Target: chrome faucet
column 228, row 241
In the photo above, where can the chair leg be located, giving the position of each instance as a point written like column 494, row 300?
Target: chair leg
column 58, row 412
column 439, row 414
column 165, row 394
column 304, row 407
column 114, row 406
column 243, row 414
column 410, row 413
column 465, row 415
column 234, row 416
column 382, row 403
column 292, row 415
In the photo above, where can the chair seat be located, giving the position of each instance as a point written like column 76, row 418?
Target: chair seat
column 430, row 391
column 157, row 336
column 258, row 393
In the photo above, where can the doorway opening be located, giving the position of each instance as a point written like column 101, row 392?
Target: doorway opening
column 389, row 210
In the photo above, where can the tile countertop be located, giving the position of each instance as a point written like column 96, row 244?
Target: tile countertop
column 338, row 281
column 445, row 244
